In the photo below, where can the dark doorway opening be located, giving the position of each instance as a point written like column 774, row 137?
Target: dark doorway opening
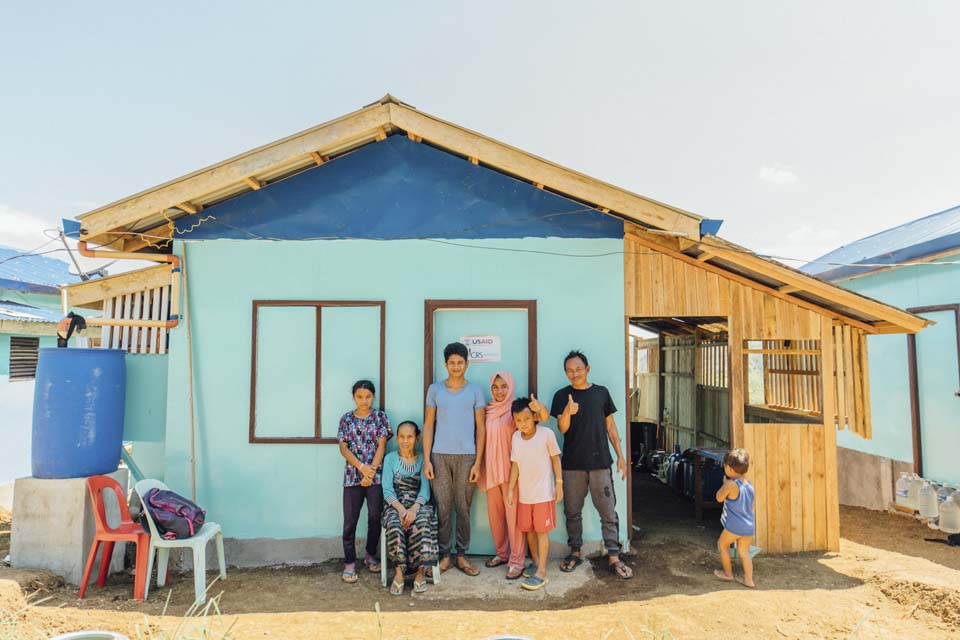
column 679, row 407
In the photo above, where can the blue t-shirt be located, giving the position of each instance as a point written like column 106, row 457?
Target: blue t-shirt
column 453, row 430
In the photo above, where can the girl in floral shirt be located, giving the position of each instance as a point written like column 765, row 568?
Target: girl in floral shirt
column 363, row 436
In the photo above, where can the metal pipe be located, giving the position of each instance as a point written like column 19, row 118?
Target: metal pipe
column 175, row 274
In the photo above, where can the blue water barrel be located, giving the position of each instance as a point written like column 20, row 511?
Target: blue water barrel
column 78, row 412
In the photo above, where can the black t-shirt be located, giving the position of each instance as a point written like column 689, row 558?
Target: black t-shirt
column 585, row 445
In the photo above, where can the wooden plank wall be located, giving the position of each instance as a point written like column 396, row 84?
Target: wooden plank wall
column 794, row 466
column 852, row 380
column 679, row 387
column 644, row 380
column 713, row 391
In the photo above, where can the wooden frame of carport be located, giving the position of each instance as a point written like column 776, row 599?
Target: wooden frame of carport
column 794, row 466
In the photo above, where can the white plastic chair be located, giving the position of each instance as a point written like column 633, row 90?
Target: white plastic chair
column 383, row 561
column 197, row 542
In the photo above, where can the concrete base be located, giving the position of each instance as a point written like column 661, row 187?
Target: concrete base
column 266, row 552
column 867, row 480
column 53, row 526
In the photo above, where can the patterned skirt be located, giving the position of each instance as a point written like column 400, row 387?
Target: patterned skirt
column 416, row 545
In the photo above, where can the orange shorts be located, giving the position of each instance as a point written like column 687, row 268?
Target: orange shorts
column 540, row 517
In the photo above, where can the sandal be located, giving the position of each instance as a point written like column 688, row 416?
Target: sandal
column 372, row 565
column 533, row 583
column 570, row 563
column 493, row 562
column 396, row 588
column 419, row 586
column 349, row 576
column 621, row 569
column 514, row 573
column 720, row 575
column 469, row 569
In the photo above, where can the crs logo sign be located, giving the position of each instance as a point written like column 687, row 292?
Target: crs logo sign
column 482, row 348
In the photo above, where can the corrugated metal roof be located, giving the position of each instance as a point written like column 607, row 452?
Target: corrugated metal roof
column 916, row 239
column 27, row 313
column 32, row 270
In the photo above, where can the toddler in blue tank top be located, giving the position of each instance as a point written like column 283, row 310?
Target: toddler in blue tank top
column 736, row 494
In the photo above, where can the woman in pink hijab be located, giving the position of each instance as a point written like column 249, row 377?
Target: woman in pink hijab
column 495, row 475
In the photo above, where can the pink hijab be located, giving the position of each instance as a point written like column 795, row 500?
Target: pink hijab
column 499, row 428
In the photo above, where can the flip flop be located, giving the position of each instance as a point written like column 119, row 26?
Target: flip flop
column 371, row 564
column 533, row 583
column 570, row 563
column 396, row 588
column 419, row 587
column 349, row 576
column 744, row 583
column 720, row 575
column 621, row 569
column 514, row 576
column 495, row 561
column 469, row 569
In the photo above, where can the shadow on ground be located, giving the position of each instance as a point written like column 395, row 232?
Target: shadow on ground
column 672, row 554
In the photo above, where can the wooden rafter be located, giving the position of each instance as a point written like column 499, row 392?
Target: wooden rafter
column 190, row 207
column 254, row 184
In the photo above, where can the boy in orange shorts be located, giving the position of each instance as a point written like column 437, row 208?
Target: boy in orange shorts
column 535, row 465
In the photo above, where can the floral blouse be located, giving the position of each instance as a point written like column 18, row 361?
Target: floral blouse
column 360, row 436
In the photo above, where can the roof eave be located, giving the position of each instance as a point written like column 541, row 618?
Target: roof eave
column 246, row 171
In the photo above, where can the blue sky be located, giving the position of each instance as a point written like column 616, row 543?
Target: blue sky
column 803, row 125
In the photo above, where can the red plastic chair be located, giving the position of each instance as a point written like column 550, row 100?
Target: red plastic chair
column 128, row 531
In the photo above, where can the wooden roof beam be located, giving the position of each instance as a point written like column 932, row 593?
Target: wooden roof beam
column 788, row 288
column 253, row 183
column 92, row 293
column 825, row 290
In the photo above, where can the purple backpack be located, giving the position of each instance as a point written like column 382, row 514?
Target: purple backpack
column 174, row 516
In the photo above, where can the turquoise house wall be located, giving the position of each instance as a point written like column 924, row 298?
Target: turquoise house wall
column 294, row 490
column 145, row 411
column 916, row 286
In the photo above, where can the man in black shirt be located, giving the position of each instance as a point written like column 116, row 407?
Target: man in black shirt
column 584, row 414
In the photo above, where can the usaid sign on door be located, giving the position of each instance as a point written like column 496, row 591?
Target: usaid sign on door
column 482, row 348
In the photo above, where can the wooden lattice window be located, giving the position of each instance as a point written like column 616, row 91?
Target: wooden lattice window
column 23, row 358
column 713, row 365
column 150, row 304
column 782, row 381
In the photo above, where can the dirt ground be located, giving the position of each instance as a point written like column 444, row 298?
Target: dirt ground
column 886, row 582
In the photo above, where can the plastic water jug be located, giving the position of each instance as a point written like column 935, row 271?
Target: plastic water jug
column 950, row 515
column 913, row 486
column 903, row 490
column 927, row 501
column 943, row 493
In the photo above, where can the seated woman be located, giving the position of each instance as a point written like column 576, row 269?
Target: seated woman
column 410, row 522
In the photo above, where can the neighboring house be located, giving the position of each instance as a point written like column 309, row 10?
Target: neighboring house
column 29, row 311
column 914, row 379
column 360, row 247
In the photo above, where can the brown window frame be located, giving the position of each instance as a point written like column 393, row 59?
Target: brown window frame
column 432, row 306
column 318, row 305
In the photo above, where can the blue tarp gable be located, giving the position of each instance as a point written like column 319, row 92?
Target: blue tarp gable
column 398, row 189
